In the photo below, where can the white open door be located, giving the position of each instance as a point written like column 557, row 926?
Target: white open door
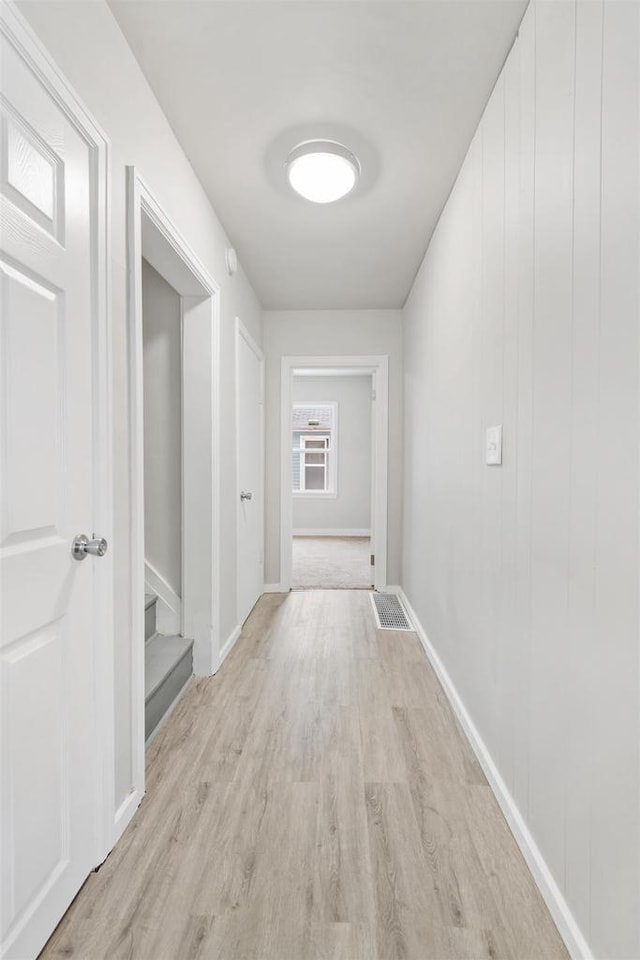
column 53, row 611
column 250, row 427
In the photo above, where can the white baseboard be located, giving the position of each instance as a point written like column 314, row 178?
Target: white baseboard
column 332, row 532
column 229, row 644
column 570, row 932
column 274, row 588
column 169, row 605
column 124, row 814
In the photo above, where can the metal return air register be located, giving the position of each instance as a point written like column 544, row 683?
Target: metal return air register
column 389, row 612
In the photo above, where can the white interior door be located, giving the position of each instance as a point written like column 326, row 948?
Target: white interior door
column 50, row 804
column 250, row 425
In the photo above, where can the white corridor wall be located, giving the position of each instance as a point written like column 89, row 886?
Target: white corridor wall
column 162, row 427
column 525, row 577
column 330, row 333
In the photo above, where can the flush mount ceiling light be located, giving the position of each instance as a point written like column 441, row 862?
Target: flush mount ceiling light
column 322, row 170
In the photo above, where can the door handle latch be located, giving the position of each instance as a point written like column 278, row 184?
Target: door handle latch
column 246, row 495
column 82, row 546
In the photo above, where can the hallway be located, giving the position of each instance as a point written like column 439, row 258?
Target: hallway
column 314, row 799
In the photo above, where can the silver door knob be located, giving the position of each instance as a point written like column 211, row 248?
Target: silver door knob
column 81, row 546
column 246, row 495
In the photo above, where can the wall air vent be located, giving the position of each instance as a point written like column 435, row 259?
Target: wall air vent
column 389, row 612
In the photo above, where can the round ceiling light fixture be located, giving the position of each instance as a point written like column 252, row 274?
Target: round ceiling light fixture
column 322, row 170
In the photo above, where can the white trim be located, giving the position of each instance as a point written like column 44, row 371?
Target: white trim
column 378, row 367
column 241, row 331
column 39, row 61
column 136, row 485
column 275, row 588
column 201, row 479
column 570, row 932
column 169, row 604
column 328, row 488
column 125, row 812
column 335, row 372
column 332, row 532
column 638, row 413
column 229, row 644
column 171, row 256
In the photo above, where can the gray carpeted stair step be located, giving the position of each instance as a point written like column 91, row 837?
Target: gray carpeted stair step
column 168, row 667
column 150, row 608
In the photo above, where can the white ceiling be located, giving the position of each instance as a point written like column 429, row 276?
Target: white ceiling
column 402, row 84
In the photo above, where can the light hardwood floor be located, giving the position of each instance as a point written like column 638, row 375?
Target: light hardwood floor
column 315, row 800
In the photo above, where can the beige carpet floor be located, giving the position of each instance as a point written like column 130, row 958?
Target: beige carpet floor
column 331, row 563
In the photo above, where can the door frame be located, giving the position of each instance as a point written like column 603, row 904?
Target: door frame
column 241, row 332
column 379, row 367
column 22, row 37
column 152, row 233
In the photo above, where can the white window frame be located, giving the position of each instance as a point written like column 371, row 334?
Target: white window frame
column 326, row 466
column 331, row 475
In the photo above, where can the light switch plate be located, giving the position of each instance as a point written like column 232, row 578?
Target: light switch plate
column 494, row 446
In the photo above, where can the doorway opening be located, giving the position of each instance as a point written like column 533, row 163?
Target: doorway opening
column 168, row 653
column 174, row 357
column 331, row 470
column 334, row 416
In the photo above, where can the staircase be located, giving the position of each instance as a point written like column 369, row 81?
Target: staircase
column 168, row 666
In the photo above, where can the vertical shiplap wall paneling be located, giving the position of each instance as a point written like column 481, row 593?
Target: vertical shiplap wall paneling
column 462, row 391
column 508, row 693
column 551, row 463
column 492, row 367
column 526, row 577
column 521, row 637
column 615, row 809
column 473, row 650
column 581, row 633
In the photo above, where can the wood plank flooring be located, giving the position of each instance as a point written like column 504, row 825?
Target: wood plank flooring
column 315, row 800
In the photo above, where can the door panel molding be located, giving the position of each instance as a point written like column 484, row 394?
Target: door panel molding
column 32, row 929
